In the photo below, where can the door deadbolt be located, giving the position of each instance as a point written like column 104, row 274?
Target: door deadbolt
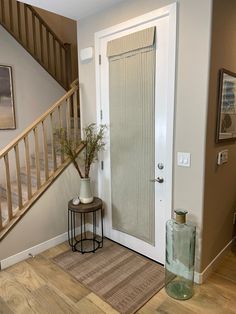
column 160, row 165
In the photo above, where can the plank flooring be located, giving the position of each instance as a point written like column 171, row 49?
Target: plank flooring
column 37, row 285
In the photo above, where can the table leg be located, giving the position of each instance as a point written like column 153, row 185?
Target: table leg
column 69, row 227
column 85, row 236
column 73, row 232
column 101, row 243
column 94, row 230
column 95, row 225
column 81, row 226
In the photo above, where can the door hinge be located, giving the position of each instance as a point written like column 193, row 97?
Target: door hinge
column 101, row 115
column 100, row 59
column 102, row 165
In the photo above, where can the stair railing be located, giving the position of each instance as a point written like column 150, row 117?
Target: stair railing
column 24, row 23
column 38, row 138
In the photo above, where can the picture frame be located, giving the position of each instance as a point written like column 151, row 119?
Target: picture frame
column 226, row 113
column 7, row 110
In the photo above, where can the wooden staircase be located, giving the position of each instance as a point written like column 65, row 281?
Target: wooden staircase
column 33, row 160
column 24, row 23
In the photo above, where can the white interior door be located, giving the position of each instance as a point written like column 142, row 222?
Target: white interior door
column 139, row 140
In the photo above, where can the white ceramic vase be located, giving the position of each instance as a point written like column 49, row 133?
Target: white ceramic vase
column 85, row 193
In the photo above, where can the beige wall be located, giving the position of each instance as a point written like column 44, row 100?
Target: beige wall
column 46, row 219
column 66, row 30
column 29, row 80
column 220, row 182
column 35, row 91
column 193, row 49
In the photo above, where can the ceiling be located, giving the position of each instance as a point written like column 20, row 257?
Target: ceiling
column 74, row 9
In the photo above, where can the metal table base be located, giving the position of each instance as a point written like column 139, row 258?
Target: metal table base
column 84, row 243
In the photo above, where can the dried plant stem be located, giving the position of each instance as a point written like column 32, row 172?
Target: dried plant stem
column 93, row 143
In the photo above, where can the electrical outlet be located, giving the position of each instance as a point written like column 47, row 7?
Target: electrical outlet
column 234, row 219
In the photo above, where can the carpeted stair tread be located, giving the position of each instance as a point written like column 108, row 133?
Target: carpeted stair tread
column 33, row 175
column 14, row 192
column 4, row 210
column 42, row 161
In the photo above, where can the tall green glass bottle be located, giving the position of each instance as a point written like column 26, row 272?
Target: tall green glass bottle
column 180, row 255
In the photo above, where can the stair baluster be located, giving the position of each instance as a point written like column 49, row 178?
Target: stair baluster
column 8, row 186
column 45, row 150
column 11, row 14
column 37, row 162
column 27, row 163
column 3, row 16
column 19, row 20
column 1, row 226
column 20, row 203
column 68, row 116
column 75, row 114
column 26, row 27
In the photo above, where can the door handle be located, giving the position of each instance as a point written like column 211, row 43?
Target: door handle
column 158, row 179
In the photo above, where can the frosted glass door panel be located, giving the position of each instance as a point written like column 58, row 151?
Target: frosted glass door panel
column 132, row 140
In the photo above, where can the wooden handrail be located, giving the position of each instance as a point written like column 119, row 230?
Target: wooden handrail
column 42, row 42
column 74, row 83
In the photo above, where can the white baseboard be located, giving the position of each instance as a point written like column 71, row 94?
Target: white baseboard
column 199, row 278
column 39, row 248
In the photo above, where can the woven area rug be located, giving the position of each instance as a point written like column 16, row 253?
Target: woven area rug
column 122, row 278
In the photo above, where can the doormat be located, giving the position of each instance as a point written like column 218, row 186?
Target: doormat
column 121, row 277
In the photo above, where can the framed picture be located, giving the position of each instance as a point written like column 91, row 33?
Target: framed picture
column 7, row 112
column 226, row 119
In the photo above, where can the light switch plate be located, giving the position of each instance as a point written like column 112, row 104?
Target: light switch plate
column 183, row 159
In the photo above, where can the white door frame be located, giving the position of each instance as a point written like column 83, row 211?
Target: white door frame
column 167, row 155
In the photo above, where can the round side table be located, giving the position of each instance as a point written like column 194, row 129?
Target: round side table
column 85, row 244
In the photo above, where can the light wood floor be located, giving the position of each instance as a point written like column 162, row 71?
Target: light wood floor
column 39, row 286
